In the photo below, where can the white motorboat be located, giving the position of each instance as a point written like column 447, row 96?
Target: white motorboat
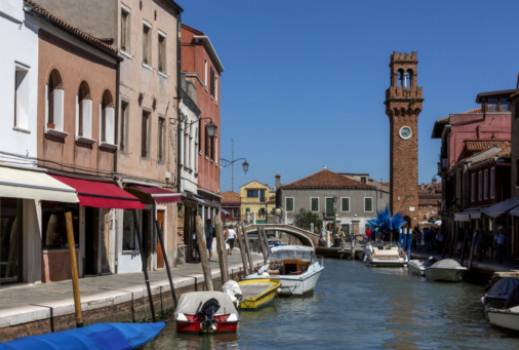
column 501, row 303
column 384, row 254
column 417, row 267
column 296, row 267
column 445, row 270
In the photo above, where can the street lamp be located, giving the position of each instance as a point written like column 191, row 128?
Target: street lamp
column 224, row 163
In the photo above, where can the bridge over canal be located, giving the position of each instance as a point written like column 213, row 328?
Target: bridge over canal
column 295, row 234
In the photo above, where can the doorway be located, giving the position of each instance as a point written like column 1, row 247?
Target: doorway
column 160, row 222
column 10, row 240
column 91, row 241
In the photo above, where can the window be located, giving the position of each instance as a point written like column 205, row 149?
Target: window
column 212, row 154
column 145, row 134
column 212, row 85
column 21, row 97
column 54, row 225
column 216, row 89
column 196, row 150
column 161, row 138
column 345, row 228
column 330, row 206
column 130, row 243
column 206, row 143
column 162, row 53
column 125, row 30
column 345, row 204
column 485, row 184
column 146, row 44
column 206, row 69
column 254, row 193
column 125, row 117
column 289, row 204
column 11, row 222
column 492, row 182
column 107, row 119
column 368, row 204
column 84, row 112
column 314, row 204
column 54, row 101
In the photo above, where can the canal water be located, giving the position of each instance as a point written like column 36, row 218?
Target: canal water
column 356, row 307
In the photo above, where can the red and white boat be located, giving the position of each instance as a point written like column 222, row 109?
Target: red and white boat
column 206, row 312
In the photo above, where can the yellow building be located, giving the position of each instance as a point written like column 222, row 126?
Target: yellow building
column 257, row 202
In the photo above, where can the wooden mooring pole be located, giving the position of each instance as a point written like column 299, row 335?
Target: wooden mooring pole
column 222, row 252
column 160, row 234
column 247, row 249
column 241, row 242
column 144, row 260
column 73, row 268
column 204, row 257
column 262, row 242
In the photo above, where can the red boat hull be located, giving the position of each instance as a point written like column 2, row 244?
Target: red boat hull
column 195, row 326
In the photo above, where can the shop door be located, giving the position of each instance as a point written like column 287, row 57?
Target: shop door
column 189, row 231
column 355, row 227
column 10, row 240
column 160, row 222
column 91, row 241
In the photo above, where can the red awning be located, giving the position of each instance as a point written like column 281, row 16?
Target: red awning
column 158, row 194
column 99, row 194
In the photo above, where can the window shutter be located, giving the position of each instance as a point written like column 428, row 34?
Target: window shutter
column 46, row 105
column 87, row 118
column 59, row 98
column 110, row 127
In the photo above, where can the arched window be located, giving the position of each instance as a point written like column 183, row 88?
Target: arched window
column 84, row 111
column 400, row 78
column 408, row 79
column 54, row 94
column 107, row 119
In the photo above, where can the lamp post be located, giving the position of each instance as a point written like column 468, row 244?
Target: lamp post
column 224, row 163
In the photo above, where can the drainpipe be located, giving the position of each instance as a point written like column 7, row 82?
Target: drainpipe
column 179, row 92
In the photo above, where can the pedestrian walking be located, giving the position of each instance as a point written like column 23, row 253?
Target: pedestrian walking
column 209, row 236
column 231, row 237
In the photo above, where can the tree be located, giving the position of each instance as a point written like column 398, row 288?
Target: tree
column 304, row 219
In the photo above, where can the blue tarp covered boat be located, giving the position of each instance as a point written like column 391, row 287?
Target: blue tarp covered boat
column 100, row 336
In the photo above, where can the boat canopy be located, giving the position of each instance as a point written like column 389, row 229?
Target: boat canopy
column 190, row 303
column 446, row 264
column 110, row 336
column 503, row 294
column 292, row 252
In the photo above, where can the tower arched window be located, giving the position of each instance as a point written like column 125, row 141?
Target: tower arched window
column 408, row 79
column 400, row 78
column 54, row 98
column 84, row 111
column 107, row 118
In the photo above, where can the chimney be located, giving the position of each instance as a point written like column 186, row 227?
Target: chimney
column 278, row 181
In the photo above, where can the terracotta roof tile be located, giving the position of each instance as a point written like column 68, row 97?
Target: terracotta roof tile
column 326, row 179
column 230, row 197
column 482, row 145
column 41, row 11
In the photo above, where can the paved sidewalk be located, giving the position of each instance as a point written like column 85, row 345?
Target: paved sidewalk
column 26, row 303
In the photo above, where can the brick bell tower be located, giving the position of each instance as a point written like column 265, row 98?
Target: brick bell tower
column 404, row 102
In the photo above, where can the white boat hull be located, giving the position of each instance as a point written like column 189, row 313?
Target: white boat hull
column 445, row 275
column 389, row 256
column 297, row 285
column 415, row 267
column 504, row 318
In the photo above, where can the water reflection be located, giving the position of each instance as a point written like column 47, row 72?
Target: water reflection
column 356, row 307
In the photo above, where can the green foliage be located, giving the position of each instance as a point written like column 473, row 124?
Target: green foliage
column 304, row 218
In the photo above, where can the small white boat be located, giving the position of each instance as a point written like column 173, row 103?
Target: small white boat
column 501, row 303
column 445, row 270
column 296, row 267
column 417, row 267
column 384, row 254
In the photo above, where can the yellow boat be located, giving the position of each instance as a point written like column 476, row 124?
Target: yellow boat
column 258, row 292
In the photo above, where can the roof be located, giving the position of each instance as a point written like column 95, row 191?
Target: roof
column 482, row 145
column 438, row 127
column 230, row 197
column 494, row 153
column 200, row 36
column 326, row 179
column 496, row 94
column 75, row 31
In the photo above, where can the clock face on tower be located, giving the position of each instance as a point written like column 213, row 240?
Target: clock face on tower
column 405, row 132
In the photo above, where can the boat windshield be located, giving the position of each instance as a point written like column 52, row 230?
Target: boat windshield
column 291, row 253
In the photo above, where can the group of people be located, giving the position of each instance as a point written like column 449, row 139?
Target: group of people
column 210, row 234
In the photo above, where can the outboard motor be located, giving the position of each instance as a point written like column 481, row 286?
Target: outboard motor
column 206, row 315
column 233, row 290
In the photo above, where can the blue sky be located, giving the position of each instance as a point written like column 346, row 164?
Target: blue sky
column 304, row 81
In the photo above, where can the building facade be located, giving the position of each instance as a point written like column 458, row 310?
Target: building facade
column 257, row 202
column 337, row 199
column 404, row 101
column 202, row 66
column 231, row 208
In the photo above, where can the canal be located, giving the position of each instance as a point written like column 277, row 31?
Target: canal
column 356, row 307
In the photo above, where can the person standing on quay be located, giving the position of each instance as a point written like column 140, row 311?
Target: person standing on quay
column 209, row 236
column 231, row 237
